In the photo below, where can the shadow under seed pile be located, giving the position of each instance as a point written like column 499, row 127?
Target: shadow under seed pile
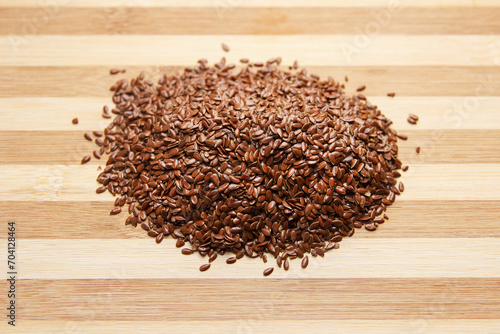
column 250, row 161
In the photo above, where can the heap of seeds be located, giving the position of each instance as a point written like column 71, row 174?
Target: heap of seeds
column 250, row 161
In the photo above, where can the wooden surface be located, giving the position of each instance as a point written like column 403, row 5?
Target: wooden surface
column 434, row 267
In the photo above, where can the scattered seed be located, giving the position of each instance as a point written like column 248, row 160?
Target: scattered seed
column 212, row 257
column 187, row 251
column 86, row 159
column 75, row 121
column 225, row 47
column 115, row 211
column 268, row 271
column 391, row 94
column 305, row 262
column 259, row 162
column 361, row 88
column 114, row 71
column 205, row 267
column 417, row 149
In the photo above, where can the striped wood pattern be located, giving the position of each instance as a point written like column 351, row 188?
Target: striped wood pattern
column 432, row 268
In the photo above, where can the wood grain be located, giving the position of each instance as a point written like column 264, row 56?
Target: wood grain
column 161, row 300
column 309, row 50
column 76, row 182
column 437, row 147
column 433, row 267
column 356, row 258
column 435, row 112
column 462, row 81
column 252, row 3
column 255, row 21
column 261, row 325
column 77, row 220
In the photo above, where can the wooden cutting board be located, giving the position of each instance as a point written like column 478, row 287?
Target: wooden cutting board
column 433, row 267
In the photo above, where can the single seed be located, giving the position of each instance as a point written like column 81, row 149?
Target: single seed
column 231, row 260
column 187, row 251
column 212, row 257
column 391, row 94
column 115, row 211
column 305, row 262
column 75, row 121
column 417, row 150
column 361, row 88
column 87, row 136
column 205, row 267
column 268, row 271
column 114, row 71
column 225, row 47
column 86, row 159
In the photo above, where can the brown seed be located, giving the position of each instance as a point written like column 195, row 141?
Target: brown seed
column 268, row 271
column 231, row 260
column 86, row 159
column 413, row 116
column 115, row 211
column 370, row 227
column 244, row 60
column 187, row 251
column 405, row 168
column 100, row 190
column 305, row 262
column 212, row 257
column 361, row 88
column 75, row 121
column 225, row 47
column 391, row 94
column 417, row 150
column 258, row 161
column 114, row 71
column 411, row 120
column 403, row 137
column 205, row 267
column 97, row 155
column 87, row 136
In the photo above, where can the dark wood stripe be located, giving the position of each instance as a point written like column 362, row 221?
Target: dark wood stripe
column 408, row 219
column 437, row 146
column 223, row 299
column 236, row 20
column 404, row 80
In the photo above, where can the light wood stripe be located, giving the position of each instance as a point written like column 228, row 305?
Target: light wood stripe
column 309, row 50
column 437, row 147
column 42, row 81
column 229, row 4
column 256, row 21
column 263, row 299
column 356, row 258
column 260, row 324
column 408, row 219
column 76, row 182
column 443, row 112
